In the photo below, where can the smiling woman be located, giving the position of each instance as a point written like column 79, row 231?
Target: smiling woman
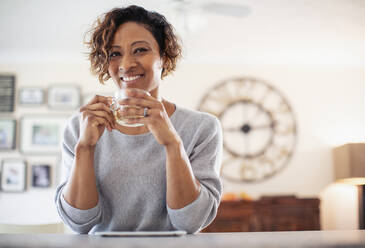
column 162, row 175
column 102, row 34
column 144, row 52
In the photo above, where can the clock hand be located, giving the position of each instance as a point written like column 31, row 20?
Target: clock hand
column 245, row 116
column 246, row 128
column 247, row 145
column 265, row 126
column 232, row 129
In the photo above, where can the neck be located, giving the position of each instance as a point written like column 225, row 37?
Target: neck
column 156, row 94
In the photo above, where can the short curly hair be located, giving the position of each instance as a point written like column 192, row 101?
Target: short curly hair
column 104, row 28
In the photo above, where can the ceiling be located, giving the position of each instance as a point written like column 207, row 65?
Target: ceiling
column 285, row 32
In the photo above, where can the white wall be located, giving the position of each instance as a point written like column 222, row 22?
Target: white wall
column 328, row 102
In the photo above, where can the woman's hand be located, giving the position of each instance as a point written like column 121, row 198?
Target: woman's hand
column 156, row 119
column 95, row 116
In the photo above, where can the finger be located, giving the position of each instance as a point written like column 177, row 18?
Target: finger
column 149, row 118
column 97, row 98
column 102, row 114
column 141, row 103
column 151, row 114
column 131, row 111
column 109, row 117
column 97, row 106
column 96, row 121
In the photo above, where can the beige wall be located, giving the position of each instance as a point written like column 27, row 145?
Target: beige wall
column 329, row 104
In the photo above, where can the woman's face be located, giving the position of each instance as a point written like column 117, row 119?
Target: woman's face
column 134, row 58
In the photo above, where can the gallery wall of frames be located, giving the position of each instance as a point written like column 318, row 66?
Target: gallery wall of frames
column 33, row 134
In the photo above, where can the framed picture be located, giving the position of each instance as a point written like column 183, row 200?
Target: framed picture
column 13, row 176
column 31, row 96
column 7, row 134
column 7, row 93
column 58, row 171
column 64, row 97
column 41, row 176
column 41, row 134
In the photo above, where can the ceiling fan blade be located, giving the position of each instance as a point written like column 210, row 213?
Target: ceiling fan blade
column 227, row 9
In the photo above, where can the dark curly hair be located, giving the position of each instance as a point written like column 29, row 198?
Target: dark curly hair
column 104, row 28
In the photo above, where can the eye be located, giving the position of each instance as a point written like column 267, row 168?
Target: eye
column 140, row 50
column 114, row 54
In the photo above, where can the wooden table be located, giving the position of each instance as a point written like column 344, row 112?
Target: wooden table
column 316, row 239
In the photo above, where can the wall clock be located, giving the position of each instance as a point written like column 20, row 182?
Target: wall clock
column 259, row 128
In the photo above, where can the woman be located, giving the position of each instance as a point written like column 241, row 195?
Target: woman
column 161, row 176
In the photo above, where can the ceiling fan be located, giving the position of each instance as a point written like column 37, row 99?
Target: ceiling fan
column 191, row 15
column 225, row 8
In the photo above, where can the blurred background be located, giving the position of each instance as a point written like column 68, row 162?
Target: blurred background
column 309, row 54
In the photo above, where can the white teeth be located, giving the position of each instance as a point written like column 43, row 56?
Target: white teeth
column 126, row 79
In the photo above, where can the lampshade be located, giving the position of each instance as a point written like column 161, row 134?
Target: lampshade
column 349, row 163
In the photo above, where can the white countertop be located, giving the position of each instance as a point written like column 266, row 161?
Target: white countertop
column 355, row 238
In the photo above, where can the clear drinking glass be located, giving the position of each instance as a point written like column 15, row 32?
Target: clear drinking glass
column 120, row 94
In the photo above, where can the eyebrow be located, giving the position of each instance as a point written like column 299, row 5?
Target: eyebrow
column 134, row 43
column 140, row 41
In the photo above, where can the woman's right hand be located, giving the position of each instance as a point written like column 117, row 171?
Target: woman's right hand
column 95, row 116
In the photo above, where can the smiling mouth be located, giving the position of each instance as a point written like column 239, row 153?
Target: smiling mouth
column 131, row 79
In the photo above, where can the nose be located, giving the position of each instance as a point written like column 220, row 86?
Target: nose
column 127, row 62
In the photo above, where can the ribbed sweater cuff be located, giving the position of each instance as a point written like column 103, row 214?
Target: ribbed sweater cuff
column 79, row 216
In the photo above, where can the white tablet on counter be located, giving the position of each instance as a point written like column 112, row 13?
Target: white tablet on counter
column 142, row 234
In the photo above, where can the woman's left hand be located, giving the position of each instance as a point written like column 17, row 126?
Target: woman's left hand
column 156, row 118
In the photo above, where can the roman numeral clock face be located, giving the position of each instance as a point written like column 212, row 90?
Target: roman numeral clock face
column 259, row 128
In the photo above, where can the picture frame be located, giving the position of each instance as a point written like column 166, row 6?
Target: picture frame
column 41, row 134
column 13, row 175
column 41, row 176
column 7, row 134
column 7, row 89
column 64, row 97
column 31, row 96
column 58, row 171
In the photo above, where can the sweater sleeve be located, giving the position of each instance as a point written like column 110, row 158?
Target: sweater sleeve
column 80, row 221
column 205, row 160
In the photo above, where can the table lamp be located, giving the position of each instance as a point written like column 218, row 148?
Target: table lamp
column 349, row 162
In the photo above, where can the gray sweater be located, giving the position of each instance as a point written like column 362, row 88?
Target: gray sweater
column 131, row 178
